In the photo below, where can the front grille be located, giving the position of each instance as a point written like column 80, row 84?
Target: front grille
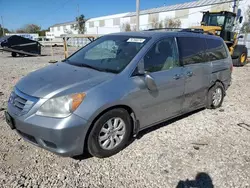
column 21, row 102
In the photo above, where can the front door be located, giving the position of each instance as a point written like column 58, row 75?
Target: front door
column 162, row 64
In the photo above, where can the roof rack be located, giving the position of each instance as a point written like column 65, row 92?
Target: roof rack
column 196, row 30
column 193, row 30
column 164, row 29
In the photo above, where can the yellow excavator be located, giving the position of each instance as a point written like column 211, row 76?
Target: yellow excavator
column 223, row 24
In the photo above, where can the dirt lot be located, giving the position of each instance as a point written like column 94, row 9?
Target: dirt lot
column 213, row 144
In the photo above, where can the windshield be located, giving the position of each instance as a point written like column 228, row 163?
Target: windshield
column 214, row 20
column 110, row 53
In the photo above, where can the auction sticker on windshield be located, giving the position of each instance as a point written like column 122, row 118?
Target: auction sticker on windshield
column 137, row 40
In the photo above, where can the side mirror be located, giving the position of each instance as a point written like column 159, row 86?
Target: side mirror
column 150, row 82
column 240, row 19
column 240, row 37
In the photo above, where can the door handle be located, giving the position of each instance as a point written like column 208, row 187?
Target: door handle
column 189, row 73
column 177, row 76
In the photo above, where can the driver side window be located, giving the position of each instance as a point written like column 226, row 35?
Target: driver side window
column 162, row 56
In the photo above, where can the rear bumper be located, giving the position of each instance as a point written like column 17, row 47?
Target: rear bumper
column 64, row 136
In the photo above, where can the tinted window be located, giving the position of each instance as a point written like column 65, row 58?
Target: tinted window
column 192, row 50
column 216, row 50
column 162, row 56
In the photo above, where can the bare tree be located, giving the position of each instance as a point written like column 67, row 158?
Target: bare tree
column 126, row 27
column 21, row 30
column 154, row 23
column 160, row 25
column 32, row 28
column 172, row 23
column 29, row 28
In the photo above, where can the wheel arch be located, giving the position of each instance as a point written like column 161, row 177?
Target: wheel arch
column 134, row 121
column 214, row 82
column 208, row 99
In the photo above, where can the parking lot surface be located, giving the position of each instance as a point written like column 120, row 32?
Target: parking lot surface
column 209, row 147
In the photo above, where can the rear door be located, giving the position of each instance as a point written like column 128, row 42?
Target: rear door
column 197, row 71
column 220, row 60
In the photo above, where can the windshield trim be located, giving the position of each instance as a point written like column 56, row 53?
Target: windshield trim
column 68, row 61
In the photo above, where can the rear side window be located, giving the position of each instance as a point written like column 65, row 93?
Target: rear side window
column 192, row 50
column 215, row 50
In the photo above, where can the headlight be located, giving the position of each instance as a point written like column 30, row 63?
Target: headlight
column 61, row 107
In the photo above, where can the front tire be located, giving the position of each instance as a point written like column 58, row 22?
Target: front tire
column 215, row 96
column 110, row 133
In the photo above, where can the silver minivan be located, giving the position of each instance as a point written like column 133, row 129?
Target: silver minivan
column 116, row 86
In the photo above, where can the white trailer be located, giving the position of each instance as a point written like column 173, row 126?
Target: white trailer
column 55, row 42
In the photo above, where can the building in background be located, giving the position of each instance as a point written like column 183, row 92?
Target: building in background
column 62, row 28
column 188, row 14
column 105, row 24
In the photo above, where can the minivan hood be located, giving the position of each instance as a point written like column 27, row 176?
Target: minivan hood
column 53, row 79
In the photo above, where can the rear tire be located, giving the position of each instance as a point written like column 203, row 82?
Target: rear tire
column 215, row 96
column 105, row 130
column 13, row 54
column 240, row 56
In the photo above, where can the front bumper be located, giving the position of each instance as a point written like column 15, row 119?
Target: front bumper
column 64, row 136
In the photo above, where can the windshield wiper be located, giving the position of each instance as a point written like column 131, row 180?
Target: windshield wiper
column 92, row 67
column 99, row 69
column 111, row 70
column 89, row 66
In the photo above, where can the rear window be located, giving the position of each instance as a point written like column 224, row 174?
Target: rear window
column 215, row 50
column 192, row 50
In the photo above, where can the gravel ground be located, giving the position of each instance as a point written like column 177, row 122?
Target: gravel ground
column 205, row 149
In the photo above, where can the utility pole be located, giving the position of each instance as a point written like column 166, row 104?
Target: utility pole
column 235, row 6
column 77, row 10
column 235, row 10
column 78, row 25
column 137, row 15
column 2, row 25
